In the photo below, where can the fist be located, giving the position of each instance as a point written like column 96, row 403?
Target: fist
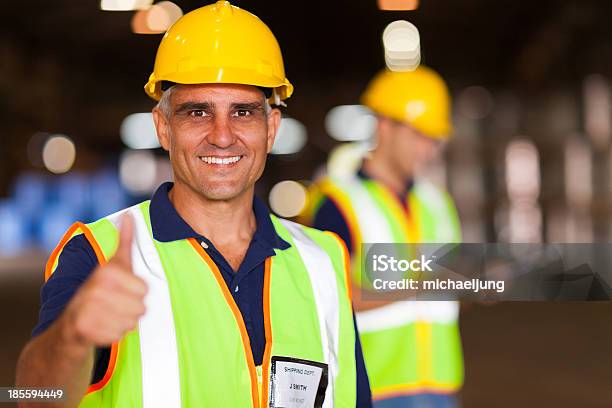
column 111, row 301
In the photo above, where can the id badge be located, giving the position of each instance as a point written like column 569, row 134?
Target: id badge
column 296, row 383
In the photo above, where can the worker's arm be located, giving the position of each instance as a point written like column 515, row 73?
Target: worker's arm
column 364, row 393
column 57, row 358
column 102, row 311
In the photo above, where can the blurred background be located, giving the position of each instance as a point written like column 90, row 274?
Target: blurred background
column 530, row 160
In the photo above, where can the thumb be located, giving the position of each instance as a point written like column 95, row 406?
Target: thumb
column 126, row 236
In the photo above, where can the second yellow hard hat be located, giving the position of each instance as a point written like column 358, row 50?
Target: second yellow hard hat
column 419, row 98
column 220, row 43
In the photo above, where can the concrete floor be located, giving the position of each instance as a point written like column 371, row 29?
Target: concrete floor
column 538, row 355
column 517, row 354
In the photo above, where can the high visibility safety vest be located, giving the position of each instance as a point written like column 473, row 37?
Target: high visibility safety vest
column 409, row 347
column 191, row 348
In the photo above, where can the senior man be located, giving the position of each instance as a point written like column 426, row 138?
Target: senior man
column 199, row 297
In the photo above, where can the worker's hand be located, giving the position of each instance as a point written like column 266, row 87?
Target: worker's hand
column 111, row 301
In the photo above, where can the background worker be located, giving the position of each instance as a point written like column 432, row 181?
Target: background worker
column 412, row 349
column 199, row 297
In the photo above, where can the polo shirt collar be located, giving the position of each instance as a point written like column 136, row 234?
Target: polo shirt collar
column 167, row 225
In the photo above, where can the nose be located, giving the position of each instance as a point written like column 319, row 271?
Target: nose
column 221, row 135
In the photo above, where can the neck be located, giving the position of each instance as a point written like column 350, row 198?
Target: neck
column 379, row 169
column 223, row 222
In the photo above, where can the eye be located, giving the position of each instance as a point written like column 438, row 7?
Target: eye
column 198, row 113
column 242, row 112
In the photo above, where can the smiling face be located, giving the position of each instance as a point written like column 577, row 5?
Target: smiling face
column 217, row 136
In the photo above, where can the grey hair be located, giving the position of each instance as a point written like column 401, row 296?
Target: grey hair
column 267, row 107
column 165, row 106
column 164, row 102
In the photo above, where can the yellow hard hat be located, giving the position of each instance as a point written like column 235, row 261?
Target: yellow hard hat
column 220, row 43
column 419, row 98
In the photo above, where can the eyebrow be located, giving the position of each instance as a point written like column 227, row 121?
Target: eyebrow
column 209, row 107
column 247, row 106
column 189, row 106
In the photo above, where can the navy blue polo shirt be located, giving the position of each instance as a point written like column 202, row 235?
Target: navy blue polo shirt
column 78, row 260
column 329, row 217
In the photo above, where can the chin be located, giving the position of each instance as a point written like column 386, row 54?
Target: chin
column 406, row 173
column 220, row 193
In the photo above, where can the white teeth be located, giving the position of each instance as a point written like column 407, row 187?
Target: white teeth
column 220, row 160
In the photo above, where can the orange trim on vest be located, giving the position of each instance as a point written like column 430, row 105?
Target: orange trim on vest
column 343, row 203
column 347, row 265
column 112, row 361
column 412, row 204
column 246, row 343
column 413, row 389
column 268, row 330
column 58, row 250
column 67, row 236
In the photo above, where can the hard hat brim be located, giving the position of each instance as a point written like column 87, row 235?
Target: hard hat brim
column 439, row 131
column 220, row 76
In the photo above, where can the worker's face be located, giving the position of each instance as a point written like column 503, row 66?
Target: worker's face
column 406, row 149
column 218, row 137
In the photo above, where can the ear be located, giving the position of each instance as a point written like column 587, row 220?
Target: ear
column 274, row 119
column 162, row 127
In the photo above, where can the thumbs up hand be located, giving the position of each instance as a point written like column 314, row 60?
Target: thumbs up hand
column 111, row 301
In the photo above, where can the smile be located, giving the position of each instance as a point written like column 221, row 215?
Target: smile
column 220, row 160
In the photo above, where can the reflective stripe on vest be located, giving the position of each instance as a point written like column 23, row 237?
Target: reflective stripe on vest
column 159, row 358
column 401, row 313
column 322, row 276
column 191, row 347
column 409, row 347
